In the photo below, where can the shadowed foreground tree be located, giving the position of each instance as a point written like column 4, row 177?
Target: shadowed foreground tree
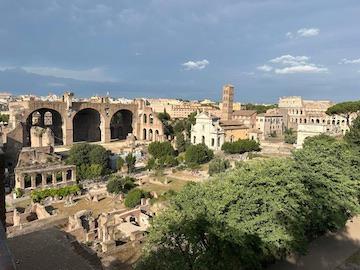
column 258, row 212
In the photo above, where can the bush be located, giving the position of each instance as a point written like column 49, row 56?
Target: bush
column 130, row 160
column 290, row 136
column 86, row 171
column 119, row 185
column 120, row 162
column 161, row 149
column 19, row 192
column 218, row 165
column 133, row 198
column 240, row 146
column 39, row 195
column 91, row 160
column 198, row 154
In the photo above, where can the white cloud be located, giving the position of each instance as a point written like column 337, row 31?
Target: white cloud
column 196, row 65
column 304, row 32
column 94, row 74
column 265, row 68
column 288, row 64
column 350, row 61
column 290, row 60
column 301, row 69
column 308, row 32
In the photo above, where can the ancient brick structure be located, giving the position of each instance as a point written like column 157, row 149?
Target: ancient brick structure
column 90, row 120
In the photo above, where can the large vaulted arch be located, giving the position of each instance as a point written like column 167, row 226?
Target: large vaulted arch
column 86, row 126
column 44, row 118
column 121, row 124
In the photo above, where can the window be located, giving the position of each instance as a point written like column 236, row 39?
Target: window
column 212, row 142
column 194, row 140
column 203, row 139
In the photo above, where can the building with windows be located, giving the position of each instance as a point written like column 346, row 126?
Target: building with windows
column 207, row 130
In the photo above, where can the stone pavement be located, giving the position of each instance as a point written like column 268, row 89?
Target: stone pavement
column 326, row 252
column 50, row 249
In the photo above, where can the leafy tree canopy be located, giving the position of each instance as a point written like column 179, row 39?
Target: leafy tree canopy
column 198, row 154
column 240, row 146
column 161, row 149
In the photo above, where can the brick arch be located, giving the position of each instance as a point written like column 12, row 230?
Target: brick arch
column 121, row 124
column 57, row 125
column 88, row 125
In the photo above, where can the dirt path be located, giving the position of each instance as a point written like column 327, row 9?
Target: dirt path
column 327, row 252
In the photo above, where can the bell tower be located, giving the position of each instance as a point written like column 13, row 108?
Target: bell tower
column 227, row 102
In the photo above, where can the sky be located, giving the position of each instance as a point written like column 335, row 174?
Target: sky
column 182, row 49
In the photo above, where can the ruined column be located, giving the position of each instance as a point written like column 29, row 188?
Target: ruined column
column 73, row 174
column 33, row 181
column 54, row 178
column 43, row 179
column 63, row 175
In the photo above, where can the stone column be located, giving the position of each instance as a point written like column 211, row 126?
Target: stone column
column 63, row 174
column 54, row 178
column 21, row 181
column 33, row 181
column 43, row 179
column 73, row 174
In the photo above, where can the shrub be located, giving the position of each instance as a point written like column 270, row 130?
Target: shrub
column 39, row 195
column 240, row 146
column 218, row 165
column 133, row 198
column 120, row 162
column 161, row 149
column 91, row 160
column 198, row 154
column 130, row 160
column 290, row 136
column 119, row 185
column 19, row 192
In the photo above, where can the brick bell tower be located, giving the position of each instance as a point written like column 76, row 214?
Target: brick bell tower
column 227, row 102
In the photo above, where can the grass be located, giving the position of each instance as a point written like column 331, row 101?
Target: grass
column 174, row 184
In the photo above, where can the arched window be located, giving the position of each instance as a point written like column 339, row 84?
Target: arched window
column 144, row 134
column 317, row 121
column 203, row 139
column 145, row 119
column 151, row 119
column 194, row 140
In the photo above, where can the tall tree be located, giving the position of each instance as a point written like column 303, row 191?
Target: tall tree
column 344, row 109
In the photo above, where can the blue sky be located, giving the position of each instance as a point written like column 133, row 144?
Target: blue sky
column 183, row 48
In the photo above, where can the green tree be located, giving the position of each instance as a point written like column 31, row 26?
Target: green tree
column 289, row 136
column 130, row 160
column 161, row 149
column 120, row 162
column 91, row 160
column 198, row 154
column 258, row 212
column 345, row 109
column 4, row 117
column 353, row 135
column 180, row 142
column 120, row 184
column 241, row 146
column 99, row 155
column 218, row 165
column 133, row 198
